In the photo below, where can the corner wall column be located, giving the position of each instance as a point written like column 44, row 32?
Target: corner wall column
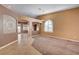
column 30, row 39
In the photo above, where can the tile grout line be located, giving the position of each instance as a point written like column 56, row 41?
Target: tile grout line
column 8, row 44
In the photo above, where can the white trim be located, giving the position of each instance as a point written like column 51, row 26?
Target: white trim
column 64, row 38
column 35, row 35
column 8, row 44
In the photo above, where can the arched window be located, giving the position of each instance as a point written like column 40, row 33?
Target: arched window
column 9, row 24
column 48, row 26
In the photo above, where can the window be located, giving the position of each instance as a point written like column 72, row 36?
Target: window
column 9, row 24
column 48, row 26
column 25, row 27
column 19, row 28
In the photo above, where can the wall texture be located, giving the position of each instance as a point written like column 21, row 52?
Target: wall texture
column 6, row 37
column 66, row 24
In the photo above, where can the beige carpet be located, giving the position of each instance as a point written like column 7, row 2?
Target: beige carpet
column 55, row 46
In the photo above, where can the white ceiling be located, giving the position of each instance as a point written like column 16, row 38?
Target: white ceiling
column 34, row 10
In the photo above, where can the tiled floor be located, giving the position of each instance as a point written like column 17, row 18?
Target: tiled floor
column 20, row 48
column 14, row 49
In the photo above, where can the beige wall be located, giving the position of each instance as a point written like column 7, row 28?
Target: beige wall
column 6, row 37
column 66, row 24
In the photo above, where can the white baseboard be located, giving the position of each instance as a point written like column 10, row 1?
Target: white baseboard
column 8, row 44
column 74, row 40
column 35, row 35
